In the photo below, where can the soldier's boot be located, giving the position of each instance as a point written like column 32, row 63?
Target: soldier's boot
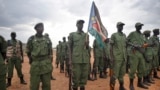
column 101, row 75
column 75, row 88
column 52, row 78
column 131, row 86
column 158, row 69
column 89, row 78
column 121, row 87
column 105, row 74
column 145, row 81
column 82, row 88
column 22, row 81
column 149, row 79
column 155, row 75
column 140, row 84
column 9, row 82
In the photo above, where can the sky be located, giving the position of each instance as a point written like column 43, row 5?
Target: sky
column 60, row 16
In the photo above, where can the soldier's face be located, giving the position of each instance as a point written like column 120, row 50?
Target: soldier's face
column 80, row 26
column 13, row 36
column 120, row 28
column 40, row 29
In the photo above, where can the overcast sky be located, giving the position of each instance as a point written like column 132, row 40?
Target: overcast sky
column 60, row 16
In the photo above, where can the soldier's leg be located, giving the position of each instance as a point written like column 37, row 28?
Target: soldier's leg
column 141, row 71
column 46, row 81
column 156, row 64
column 84, row 74
column 133, row 68
column 145, row 78
column 121, row 74
column 3, row 82
column 34, row 82
column 101, row 66
column 10, row 71
column 18, row 66
column 76, row 75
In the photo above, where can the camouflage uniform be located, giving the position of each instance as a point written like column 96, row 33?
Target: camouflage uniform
column 80, row 57
column 118, row 45
column 14, row 58
column 58, row 50
column 63, row 55
column 2, row 64
column 98, row 58
column 38, row 51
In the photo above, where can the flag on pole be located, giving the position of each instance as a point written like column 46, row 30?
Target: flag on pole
column 95, row 27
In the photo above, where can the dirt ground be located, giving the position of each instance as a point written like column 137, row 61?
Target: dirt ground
column 61, row 82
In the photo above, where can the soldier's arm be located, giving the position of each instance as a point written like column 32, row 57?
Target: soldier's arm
column 29, row 48
column 3, row 47
column 21, row 48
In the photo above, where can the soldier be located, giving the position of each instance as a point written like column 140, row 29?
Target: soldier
column 14, row 58
column 136, row 41
column 51, row 54
column 63, row 54
column 98, row 59
column 156, row 48
column 148, row 59
column 118, row 50
column 38, row 49
column 58, row 50
column 3, row 47
column 79, row 45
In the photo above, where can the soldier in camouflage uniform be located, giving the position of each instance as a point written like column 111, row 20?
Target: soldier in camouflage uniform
column 51, row 54
column 58, row 50
column 14, row 58
column 118, row 45
column 98, row 59
column 148, row 58
column 79, row 45
column 63, row 54
column 156, row 48
column 136, row 51
column 38, row 51
column 3, row 47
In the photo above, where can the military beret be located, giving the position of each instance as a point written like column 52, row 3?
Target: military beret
column 146, row 32
column 13, row 33
column 80, row 21
column 120, row 23
column 38, row 25
column 138, row 24
column 155, row 30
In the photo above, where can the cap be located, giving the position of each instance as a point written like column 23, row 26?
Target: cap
column 155, row 30
column 46, row 34
column 138, row 24
column 38, row 25
column 120, row 23
column 146, row 32
column 13, row 33
column 80, row 21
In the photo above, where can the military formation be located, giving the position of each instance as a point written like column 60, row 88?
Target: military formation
column 138, row 54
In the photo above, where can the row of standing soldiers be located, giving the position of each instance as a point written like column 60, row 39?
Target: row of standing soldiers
column 137, row 53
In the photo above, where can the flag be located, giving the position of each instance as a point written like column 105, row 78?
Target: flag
column 95, row 27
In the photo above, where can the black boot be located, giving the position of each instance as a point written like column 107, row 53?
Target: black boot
column 52, row 78
column 155, row 75
column 140, row 84
column 82, row 88
column 131, row 86
column 75, row 88
column 145, row 81
column 121, row 87
column 22, row 81
column 89, row 78
column 101, row 75
column 149, row 79
column 9, row 82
